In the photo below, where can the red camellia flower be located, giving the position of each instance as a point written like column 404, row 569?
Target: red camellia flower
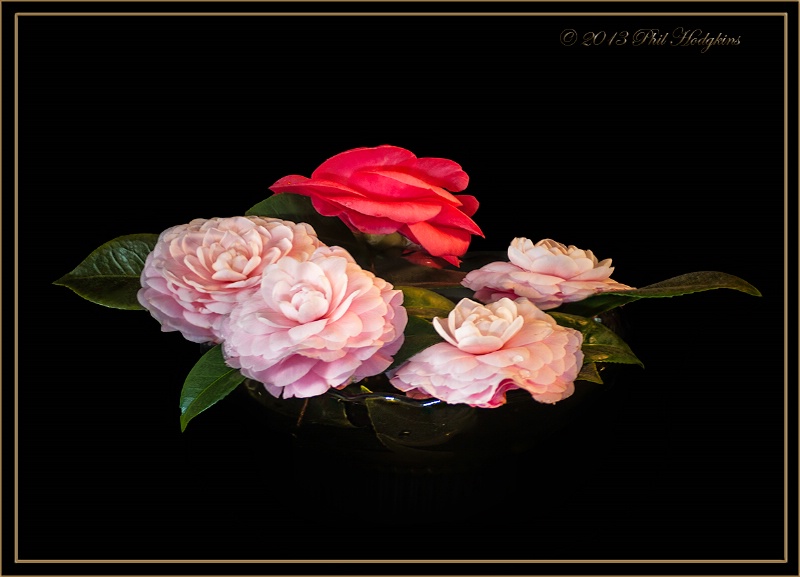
column 387, row 189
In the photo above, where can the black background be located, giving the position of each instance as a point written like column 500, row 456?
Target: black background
column 664, row 158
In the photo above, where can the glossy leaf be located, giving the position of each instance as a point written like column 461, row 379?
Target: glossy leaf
column 399, row 271
column 424, row 303
column 322, row 409
column 455, row 294
column 680, row 285
column 600, row 344
column 608, row 354
column 478, row 258
column 209, row 381
column 401, row 426
column 297, row 208
column 110, row 275
column 589, row 373
column 419, row 334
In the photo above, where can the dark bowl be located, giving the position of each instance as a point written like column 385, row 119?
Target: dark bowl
column 390, row 429
column 385, row 428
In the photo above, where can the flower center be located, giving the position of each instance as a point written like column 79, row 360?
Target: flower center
column 305, row 303
column 479, row 329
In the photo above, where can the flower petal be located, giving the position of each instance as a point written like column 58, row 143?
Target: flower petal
column 344, row 164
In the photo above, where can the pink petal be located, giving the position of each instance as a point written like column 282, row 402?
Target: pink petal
column 310, row 385
column 560, row 266
column 290, row 370
column 301, row 333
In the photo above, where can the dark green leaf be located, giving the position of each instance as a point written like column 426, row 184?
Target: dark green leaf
column 298, row 208
column 425, row 304
column 419, row 335
column 589, row 373
column 110, row 275
column 476, row 259
column 322, row 409
column 401, row 426
column 608, row 354
column 327, row 410
column 455, row 294
column 209, row 381
column 600, row 344
column 680, row 285
column 399, row 271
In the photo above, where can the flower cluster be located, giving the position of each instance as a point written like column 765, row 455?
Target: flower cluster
column 199, row 271
column 327, row 282
column 293, row 313
column 302, row 317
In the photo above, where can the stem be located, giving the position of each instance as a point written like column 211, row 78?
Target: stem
column 301, row 415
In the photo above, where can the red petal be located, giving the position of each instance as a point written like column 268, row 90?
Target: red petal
column 453, row 217
column 355, row 221
column 397, row 185
column 406, row 212
column 469, row 204
column 326, row 208
column 313, row 187
column 439, row 172
column 438, row 241
column 292, row 179
column 370, row 224
column 351, row 200
column 345, row 163
column 422, row 259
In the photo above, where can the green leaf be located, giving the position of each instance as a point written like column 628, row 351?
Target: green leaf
column 298, row 208
column 399, row 271
column 209, row 381
column 410, row 429
column 589, row 373
column 608, row 354
column 295, row 412
column 455, row 294
column 425, row 304
column 600, row 344
column 110, row 275
column 680, row 285
column 476, row 259
column 419, row 335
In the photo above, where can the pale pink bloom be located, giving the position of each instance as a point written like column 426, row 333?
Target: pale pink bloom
column 548, row 273
column 197, row 272
column 315, row 325
column 491, row 349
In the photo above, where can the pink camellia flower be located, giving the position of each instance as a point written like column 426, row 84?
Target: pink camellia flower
column 387, row 189
column 491, row 349
column 197, row 272
column 315, row 325
column 548, row 273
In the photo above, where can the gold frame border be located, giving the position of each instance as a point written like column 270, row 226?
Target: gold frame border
column 350, row 14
